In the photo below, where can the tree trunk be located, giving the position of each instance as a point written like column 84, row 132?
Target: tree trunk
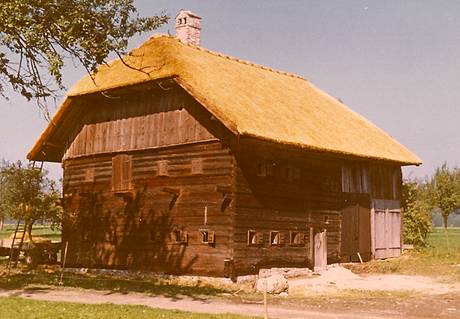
column 445, row 217
column 2, row 221
column 28, row 229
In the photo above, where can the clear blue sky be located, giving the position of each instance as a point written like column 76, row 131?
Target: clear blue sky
column 395, row 62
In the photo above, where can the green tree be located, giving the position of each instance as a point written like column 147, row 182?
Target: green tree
column 37, row 35
column 445, row 191
column 28, row 195
column 417, row 213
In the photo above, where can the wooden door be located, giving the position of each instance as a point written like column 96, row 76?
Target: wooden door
column 386, row 228
column 320, row 251
column 355, row 227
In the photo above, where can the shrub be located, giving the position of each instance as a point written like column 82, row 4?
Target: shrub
column 417, row 213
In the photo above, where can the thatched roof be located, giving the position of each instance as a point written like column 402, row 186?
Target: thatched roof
column 250, row 100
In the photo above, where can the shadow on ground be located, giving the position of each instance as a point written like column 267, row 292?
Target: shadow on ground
column 40, row 281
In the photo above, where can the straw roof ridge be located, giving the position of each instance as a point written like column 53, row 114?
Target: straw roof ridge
column 226, row 56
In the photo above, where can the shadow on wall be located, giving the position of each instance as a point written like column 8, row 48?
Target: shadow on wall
column 124, row 232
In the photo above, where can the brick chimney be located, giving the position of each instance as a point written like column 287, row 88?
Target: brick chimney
column 188, row 27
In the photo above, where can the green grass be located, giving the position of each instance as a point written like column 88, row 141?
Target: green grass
column 42, row 231
column 14, row 307
column 440, row 259
column 437, row 239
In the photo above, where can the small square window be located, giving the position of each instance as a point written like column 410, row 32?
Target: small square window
column 276, row 238
column 180, row 237
column 291, row 173
column 265, row 169
column 297, row 238
column 207, row 237
column 255, row 238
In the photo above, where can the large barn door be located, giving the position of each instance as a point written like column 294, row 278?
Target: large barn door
column 386, row 228
column 356, row 227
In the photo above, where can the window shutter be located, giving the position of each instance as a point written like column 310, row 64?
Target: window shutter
column 197, row 166
column 89, row 175
column 211, row 237
column 184, row 237
column 301, row 239
column 121, row 173
column 162, row 168
column 259, row 238
column 116, row 173
column 282, row 239
column 127, row 172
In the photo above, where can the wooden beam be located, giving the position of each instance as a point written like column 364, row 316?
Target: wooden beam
column 171, row 190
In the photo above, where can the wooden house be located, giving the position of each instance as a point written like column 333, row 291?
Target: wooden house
column 183, row 160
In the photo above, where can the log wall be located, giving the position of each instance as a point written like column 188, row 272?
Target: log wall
column 135, row 231
column 139, row 121
column 305, row 201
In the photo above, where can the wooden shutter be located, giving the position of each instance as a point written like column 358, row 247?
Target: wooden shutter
column 162, row 168
column 211, row 237
column 281, row 238
column 126, row 173
column 197, row 166
column 89, row 175
column 259, row 238
column 301, row 239
column 121, row 173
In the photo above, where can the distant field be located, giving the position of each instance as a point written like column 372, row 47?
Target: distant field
column 440, row 258
column 42, row 231
column 438, row 240
column 13, row 307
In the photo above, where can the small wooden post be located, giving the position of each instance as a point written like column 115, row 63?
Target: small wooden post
column 265, row 299
column 205, row 215
column 311, row 247
column 63, row 262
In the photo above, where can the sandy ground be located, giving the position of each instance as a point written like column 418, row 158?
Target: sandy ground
column 316, row 296
column 336, row 278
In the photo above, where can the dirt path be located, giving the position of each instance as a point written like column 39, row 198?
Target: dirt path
column 335, row 292
column 217, row 306
column 178, row 303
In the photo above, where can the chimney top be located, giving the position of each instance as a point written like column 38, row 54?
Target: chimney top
column 188, row 27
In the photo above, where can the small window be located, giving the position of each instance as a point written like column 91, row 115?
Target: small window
column 162, row 169
column 180, row 237
column 297, row 238
column 266, row 169
column 288, row 173
column 291, row 173
column 121, row 173
column 296, row 174
column 197, row 166
column 155, row 235
column 276, row 238
column 255, row 238
column 89, row 175
column 207, row 236
column 261, row 169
